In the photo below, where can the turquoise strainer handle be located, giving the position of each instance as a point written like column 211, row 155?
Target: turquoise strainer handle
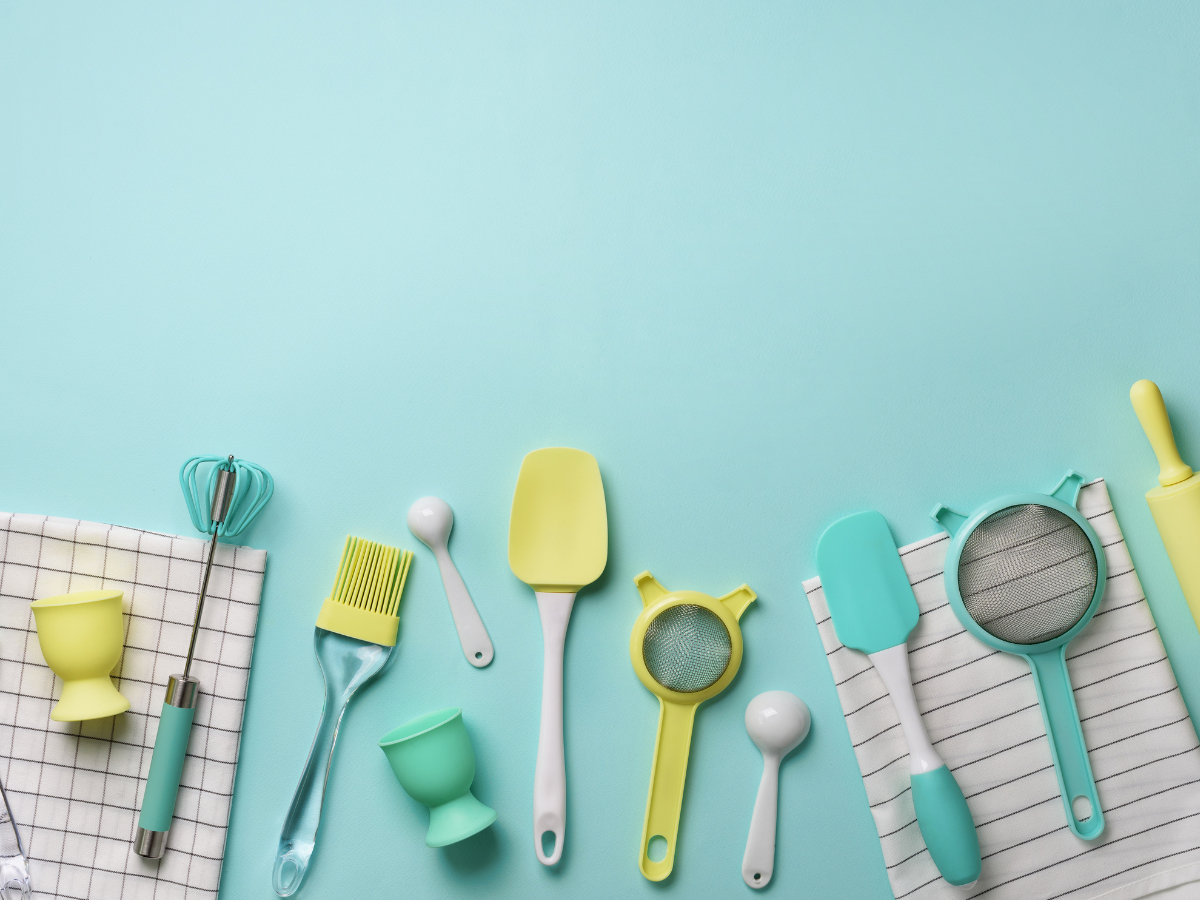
column 1067, row 747
column 252, row 489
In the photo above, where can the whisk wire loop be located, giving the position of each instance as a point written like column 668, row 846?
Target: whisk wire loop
column 253, row 484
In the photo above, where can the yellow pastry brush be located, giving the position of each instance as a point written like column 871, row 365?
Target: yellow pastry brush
column 1175, row 503
column 356, row 633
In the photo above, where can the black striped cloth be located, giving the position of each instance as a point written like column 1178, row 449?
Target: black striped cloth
column 76, row 787
column 980, row 708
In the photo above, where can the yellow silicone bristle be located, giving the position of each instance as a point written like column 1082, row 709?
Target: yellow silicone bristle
column 371, row 576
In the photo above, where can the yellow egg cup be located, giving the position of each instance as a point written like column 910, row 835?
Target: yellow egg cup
column 81, row 636
column 677, row 712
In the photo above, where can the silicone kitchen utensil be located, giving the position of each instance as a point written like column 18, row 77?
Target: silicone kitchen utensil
column 1025, row 574
column 81, row 636
column 236, row 491
column 355, row 635
column 686, row 647
column 250, row 488
column 557, row 543
column 778, row 723
column 434, row 762
column 1175, row 503
column 873, row 610
column 14, row 868
column 431, row 519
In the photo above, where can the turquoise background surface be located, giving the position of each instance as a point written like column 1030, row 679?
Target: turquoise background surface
column 770, row 262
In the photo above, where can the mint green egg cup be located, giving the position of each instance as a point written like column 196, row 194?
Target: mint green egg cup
column 434, row 762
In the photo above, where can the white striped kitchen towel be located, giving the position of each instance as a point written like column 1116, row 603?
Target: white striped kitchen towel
column 981, row 710
column 75, row 787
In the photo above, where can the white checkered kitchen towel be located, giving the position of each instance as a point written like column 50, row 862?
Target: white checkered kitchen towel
column 980, row 708
column 75, row 787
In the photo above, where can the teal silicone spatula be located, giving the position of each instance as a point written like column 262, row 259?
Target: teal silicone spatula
column 873, row 610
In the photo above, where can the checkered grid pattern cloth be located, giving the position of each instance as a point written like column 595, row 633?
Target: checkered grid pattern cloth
column 75, row 787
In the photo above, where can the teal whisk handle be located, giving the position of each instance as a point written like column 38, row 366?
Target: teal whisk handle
column 166, row 766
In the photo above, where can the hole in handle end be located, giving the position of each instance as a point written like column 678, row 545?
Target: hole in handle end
column 288, row 873
column 549, row 847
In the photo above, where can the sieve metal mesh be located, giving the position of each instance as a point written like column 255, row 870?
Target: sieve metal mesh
column 686, row 648
column 1027, row 574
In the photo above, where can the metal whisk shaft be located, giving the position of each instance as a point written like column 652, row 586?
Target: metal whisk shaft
column 222, row 497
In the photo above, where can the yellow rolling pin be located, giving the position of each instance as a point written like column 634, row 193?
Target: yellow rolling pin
column 1175, row 504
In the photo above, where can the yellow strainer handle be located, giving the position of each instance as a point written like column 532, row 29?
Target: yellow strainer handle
column 666, row 788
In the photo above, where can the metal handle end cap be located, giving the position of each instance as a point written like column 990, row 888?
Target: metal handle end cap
column 150, row 844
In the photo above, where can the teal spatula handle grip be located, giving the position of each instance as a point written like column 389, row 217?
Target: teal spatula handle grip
column 1067, row 747
column 946, row 825
column 166, row 768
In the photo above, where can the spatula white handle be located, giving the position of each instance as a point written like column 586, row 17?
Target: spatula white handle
column 472, row 635
column 892, row 666
column 550, row 777
column 759, row 861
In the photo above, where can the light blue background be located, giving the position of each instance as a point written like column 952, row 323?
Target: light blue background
column 770, row 262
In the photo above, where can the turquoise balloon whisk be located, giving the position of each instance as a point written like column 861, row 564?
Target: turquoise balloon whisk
column 235, row 492
column 239, row 476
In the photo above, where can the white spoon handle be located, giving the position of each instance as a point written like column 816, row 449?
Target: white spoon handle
column 472, row 635
column 759, row 862
column 550, row 776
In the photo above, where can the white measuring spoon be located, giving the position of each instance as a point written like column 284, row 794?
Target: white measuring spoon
column 777, row 722
column 431, row 519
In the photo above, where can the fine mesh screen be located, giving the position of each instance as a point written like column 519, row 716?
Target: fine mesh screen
column 1027, row 574
column 686, row 648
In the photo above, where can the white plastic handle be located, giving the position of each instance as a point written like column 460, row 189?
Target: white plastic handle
column 472, row 635
column 892, row 666
column 759, row 861
column 550, row 777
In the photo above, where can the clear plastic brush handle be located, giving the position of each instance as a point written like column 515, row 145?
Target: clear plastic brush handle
column 346, row 664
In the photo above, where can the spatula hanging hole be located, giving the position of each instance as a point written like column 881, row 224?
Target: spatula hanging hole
column 758, row 876
column 479, row 654
column 1081, row 806
column 549, row 839
column 656, row 848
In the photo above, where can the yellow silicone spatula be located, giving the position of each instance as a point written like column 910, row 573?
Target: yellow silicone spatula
column 557, row 543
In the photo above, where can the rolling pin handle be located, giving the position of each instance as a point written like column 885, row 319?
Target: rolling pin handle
column 1152, row 413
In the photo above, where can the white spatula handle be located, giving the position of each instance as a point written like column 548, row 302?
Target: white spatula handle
column 550, row 777
column 472, row 635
